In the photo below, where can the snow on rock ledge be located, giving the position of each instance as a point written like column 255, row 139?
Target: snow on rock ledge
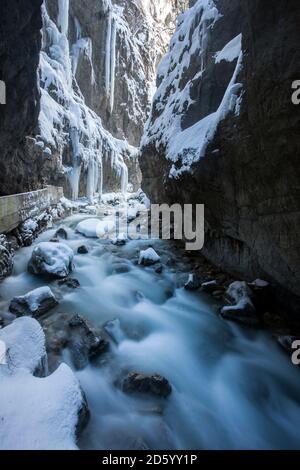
column 36, row 413
column 148, row 257
column 35, row 303
column 53, row 259
column 94, row 228
column 179, row 74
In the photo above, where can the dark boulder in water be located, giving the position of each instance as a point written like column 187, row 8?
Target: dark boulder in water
column 157, row 385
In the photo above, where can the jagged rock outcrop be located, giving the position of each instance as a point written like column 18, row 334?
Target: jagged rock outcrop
column 20, row 43
column 224, row 132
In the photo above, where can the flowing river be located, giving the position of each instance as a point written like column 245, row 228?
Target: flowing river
column 233, row 388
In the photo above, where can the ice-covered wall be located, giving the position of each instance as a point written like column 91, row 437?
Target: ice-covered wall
column 97, row 76
column 70, row 133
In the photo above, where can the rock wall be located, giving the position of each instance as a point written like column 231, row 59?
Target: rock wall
column 97, row 69
column 20, row 44
column 224, row 132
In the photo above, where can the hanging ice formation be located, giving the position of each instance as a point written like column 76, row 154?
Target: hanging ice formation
column 68, row 127
column 110, row 63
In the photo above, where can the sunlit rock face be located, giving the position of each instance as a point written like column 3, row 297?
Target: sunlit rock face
column 223, row 131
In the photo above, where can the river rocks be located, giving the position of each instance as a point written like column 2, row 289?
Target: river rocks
column 82, row 250
column 193, row 283
column 52, row 259
column 139, row 383
column 61, row 233
column 36, row 303
column 148, row 257
column 69, row 282
column 121, row 240
column 65, row 331
column 6, row 258
column 159, row 269
column 209, row 287
column 243, row 311
column 84, row 416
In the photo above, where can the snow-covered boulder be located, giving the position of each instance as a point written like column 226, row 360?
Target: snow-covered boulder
column 121, row 239
column 95, row 228
column 35, row 303
column 36, row 413
column 53, row 259
column 148, row 257
column 243, row 311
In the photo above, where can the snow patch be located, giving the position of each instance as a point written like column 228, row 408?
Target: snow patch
column 231, row 51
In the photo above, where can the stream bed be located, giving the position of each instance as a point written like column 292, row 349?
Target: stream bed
column 232, row 387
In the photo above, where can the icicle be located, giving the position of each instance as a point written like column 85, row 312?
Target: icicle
column 63, row 16
column 113, row 64
column 77, row 29
column 108, row 56
column 74, row 175
column 124, row 179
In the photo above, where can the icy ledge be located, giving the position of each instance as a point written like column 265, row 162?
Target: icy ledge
column 36, row 413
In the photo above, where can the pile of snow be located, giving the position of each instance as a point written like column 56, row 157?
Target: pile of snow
column 36, row 413
column 148, row 257
column 185, row 147
column 35, row 303
column 53, row 259
column 260, row 283
column 95, row 228
column 231, row 51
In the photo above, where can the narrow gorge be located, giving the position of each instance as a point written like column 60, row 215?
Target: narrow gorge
column 111, row 339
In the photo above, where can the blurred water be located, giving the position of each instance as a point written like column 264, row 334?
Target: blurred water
column 233, row 388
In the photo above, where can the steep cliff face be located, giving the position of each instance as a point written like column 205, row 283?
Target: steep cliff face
column 224, row 132
column 97, row 69
column 20, row 43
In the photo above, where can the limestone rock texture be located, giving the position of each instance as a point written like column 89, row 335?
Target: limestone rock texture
column 20, row 44
column 225, row 133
